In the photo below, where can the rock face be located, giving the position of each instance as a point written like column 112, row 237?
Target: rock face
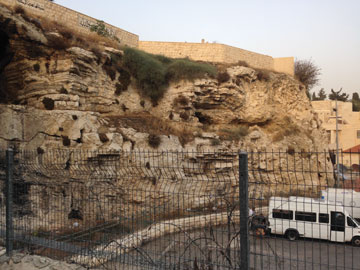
column 68, row 97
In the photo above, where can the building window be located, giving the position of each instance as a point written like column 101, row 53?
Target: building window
column 358, row 134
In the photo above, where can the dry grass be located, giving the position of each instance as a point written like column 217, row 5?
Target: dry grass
column 86, row 41
column 263, row 74
column 284, row 128
column 181, row 100
column 223, row 77
column 146, row 123
column 154, row 140
column 233, row 133
column 19, row 10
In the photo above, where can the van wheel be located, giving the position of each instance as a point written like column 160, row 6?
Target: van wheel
column 356, row 241
column 292, row 235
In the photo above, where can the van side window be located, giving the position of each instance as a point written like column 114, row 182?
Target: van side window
column 305, row 216
column 283, row 214
column 323, row 218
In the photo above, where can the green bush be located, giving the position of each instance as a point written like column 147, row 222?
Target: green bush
column 148, row 72
column 100, row 29
column 184, row 69
column 154, row 140
column 154, row 72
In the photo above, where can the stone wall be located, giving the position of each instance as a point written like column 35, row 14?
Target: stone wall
column 211, row 52
column 75, row 20
column 221, row 53
column 284, row 64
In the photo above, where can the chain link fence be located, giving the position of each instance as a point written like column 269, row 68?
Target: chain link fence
column 178, row 210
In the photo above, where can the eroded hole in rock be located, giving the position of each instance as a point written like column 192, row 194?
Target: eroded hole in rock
column 49, row 103
column 5, row 58
column 79, row 140
column 203, row 118
column 75, row 214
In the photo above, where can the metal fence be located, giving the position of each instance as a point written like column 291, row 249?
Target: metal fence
column 182, row 210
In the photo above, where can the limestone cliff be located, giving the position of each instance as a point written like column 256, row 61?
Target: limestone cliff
column 66, row 86
column 57, row 95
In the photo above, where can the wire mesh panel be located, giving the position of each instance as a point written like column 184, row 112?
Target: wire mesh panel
column 181, row 210
column 305, row 211
column 2, row 195
column 129, row 210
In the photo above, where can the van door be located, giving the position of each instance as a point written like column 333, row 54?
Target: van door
column 337, row 227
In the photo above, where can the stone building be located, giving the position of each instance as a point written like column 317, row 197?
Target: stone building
column 348, row 128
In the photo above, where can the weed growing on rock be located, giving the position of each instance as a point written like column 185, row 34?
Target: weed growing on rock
column 181, row 100
column 154, row 140
column 223, row 77
column 263, row 75
column 19, row 10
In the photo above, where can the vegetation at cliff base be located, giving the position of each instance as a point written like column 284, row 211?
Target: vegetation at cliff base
column 153, row 73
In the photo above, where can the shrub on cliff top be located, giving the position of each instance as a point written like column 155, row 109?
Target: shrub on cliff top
column 148, row 72
column 185, row 69
column 154, row 72
column 307, row 73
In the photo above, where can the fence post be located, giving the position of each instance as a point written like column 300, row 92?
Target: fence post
column 244, row 211
column 9, row 200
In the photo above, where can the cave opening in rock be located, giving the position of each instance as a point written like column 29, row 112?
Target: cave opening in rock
column 75, row 214
column 5, row 59
column 203, row 118
column 4, row 43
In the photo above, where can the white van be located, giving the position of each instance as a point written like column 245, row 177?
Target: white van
column 307, row 217
column 349, row 198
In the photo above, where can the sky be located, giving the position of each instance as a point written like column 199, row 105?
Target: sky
column 325, row 31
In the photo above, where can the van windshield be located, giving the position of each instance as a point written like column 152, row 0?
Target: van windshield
column 354, row 221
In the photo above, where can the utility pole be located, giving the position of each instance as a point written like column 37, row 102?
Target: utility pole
column 337, row 137
column 337, row 145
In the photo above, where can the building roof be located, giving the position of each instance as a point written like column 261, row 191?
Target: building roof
column 353, row 149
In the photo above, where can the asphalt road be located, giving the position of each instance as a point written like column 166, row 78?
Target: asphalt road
column 271, row 252
column 275, row 252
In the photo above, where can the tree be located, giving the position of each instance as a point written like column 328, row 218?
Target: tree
column 338, row 95
column 355, row 102
column 320, row 96
column 307, row 73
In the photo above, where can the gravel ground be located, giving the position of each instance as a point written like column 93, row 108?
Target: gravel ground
column 21, row 261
